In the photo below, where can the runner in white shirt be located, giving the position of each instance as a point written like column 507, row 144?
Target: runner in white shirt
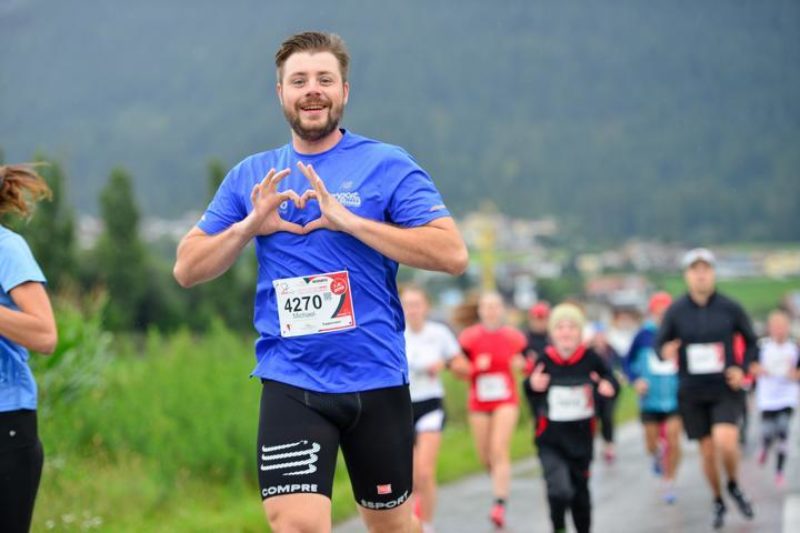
column 777, row 389
column 430, row 347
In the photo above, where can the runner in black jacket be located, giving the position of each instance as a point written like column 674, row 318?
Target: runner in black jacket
column 698, row 332
column 563, row 384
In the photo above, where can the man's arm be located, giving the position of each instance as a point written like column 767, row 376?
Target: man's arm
column 436, row 245
column 202, row 257
column 745, row 328
column 33, row 326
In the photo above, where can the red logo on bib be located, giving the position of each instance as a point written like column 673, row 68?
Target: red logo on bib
column 338, row 287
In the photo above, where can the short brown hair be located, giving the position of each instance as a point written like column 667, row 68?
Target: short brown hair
column 313, row 41
column 20, row 188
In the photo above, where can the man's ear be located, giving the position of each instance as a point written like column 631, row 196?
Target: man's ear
column 279, row 92
column 346, row 92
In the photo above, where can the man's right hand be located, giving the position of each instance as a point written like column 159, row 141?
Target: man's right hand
column 264, row 219
column 641, row 386
column 539, row 380
column 669, row 351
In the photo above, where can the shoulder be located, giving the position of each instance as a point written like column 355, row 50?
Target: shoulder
column 394, row 160
column 729, row 303
column 255, row 166
column 438, row 329
column 11, row 243
column 514, row 334
column 470, row 334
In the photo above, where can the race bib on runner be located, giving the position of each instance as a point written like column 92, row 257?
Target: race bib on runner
column 492, row 387
column 706, row 358
column 778, row 366
column 660, row 367
column 320, row 303
column 568, row 404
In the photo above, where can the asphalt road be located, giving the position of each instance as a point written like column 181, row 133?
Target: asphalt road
column 626, row 495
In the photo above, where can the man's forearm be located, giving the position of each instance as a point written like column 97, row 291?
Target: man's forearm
column 203, row 257
column 436, row 246
column 25, row 329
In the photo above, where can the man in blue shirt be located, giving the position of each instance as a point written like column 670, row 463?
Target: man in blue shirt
column 332, row 214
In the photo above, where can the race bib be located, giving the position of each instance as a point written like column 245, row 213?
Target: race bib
column 321, row 303
column 778, row 366
column 660, row 367
column 568, row 404
column 706, row 358
column 492, row 387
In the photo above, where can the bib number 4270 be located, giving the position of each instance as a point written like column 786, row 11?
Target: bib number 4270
column 302, row 303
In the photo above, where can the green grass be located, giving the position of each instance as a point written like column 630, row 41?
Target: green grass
column 758, row 295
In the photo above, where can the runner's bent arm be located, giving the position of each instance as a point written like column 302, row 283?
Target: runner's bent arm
column 33, row 326
column 202, row 257
column 435, row 246
column 744, row 327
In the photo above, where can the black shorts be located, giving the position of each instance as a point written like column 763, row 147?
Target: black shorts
column 701, row 409
column 658, row 417
column 300, row 432
column 429, row 415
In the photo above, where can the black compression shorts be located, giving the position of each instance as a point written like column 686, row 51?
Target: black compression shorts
column 300, row 432
column 701, row 410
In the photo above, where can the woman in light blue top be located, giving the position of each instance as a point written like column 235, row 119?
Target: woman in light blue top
column 26, row 322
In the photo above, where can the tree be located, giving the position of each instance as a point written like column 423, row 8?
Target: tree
column 51, row 230
column 122, row 262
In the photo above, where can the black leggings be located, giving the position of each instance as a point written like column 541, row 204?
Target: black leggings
column 567, row 482
column 21, row 460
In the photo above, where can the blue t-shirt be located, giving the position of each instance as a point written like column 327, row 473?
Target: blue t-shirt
column 661, row 376
column 17, row 266
column 373, row 180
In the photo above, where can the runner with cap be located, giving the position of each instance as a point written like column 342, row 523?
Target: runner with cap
column 656, row 382
column 537, row 338
column 697, row 333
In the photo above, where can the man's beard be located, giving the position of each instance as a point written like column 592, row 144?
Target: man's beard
column 318, row 131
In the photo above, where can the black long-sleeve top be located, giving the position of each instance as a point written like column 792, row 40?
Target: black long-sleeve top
column 703, row 331
column 564, row 412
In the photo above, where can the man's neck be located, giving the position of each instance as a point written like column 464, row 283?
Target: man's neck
column 416, row 327
column 305, row 147
column 701, row 298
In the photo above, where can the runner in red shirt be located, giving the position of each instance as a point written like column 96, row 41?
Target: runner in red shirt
column 494, row 350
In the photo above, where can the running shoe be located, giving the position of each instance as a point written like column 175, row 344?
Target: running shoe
column 498, row 515
column 718, row 514
column 780, row 480
column 657, row 468
column 669, row 494
column 744, row 505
